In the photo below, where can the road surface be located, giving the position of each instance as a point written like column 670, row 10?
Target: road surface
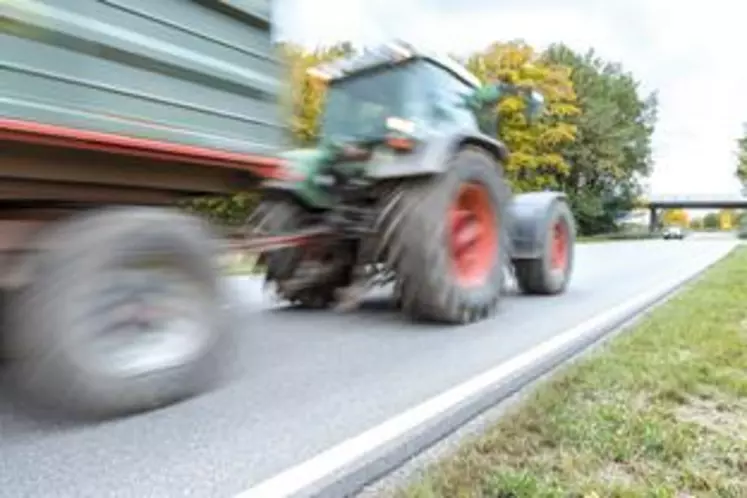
column 307, row 381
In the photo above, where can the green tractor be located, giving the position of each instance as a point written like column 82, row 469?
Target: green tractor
column 407, row 188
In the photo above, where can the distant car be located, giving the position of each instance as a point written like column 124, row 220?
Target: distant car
column 673, row 233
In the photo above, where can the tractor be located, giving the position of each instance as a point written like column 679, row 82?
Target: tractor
column 407, row 187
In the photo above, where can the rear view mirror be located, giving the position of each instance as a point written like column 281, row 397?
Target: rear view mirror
column 535, row 105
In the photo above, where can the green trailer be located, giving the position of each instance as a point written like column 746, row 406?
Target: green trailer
column 110, row 112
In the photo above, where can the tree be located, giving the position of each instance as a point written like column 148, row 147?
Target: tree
column 711, row 221
column 696, row 223
column 727, row 219
column 230, row 211
column 305, row 99
column 612, row 150
column 742, row 159
column 537, row 160
column 675, row 217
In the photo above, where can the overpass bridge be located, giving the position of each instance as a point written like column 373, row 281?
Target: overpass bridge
column 655, row 203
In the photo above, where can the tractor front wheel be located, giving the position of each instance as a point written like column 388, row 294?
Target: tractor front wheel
column 445, row 239
column 551, row 271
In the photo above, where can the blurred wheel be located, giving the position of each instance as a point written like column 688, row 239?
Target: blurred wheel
column 124, row 313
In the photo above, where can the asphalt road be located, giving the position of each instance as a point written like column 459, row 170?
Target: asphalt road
column 308, row 380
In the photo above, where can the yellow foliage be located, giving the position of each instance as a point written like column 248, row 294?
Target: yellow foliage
column 727, row 219
column 675, row 217
column 306, row 94
column 536, row 161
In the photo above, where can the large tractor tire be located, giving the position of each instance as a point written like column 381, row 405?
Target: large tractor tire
column 550, row 272
column 123, row 313
column 279, row 216
column 445, row 238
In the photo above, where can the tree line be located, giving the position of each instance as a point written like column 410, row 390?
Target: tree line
column 712, row 221
column 741, row 169
column 593, row 141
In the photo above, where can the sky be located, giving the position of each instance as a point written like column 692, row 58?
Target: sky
column 690, row 51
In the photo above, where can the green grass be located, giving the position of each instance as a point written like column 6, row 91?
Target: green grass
column 245, row 265
column 660, row 411
column 617, row 236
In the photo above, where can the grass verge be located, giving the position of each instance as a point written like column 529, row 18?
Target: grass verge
column 617, row 236
column 660, row 411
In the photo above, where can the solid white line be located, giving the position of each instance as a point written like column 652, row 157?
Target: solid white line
column 305, row 474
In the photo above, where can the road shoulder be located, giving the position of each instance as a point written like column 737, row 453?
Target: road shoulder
column 656, row 410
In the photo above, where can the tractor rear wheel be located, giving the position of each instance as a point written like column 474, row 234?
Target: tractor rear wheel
column 278, row 216
column 445, row 239
column 550, row 273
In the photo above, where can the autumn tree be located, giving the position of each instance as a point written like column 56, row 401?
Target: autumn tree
column 537, row 160
column 304, row 100
column 612, row 150
column 727, row 218
column 675, row 217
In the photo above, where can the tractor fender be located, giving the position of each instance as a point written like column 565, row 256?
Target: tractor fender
column 307, row 185
column 433, row 156
column 526, row 215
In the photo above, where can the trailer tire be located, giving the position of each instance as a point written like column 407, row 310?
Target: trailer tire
column 88, row 288
column 418, row 234
column 550, row 273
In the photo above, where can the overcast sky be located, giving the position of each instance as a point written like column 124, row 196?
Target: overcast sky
column 692, row 51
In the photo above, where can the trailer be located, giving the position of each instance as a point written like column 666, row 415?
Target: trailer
column 111, row 111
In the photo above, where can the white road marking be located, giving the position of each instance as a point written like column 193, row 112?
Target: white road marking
column 298, row 478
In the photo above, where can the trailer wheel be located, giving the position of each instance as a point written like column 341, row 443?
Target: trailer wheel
column 446, row 240
column 124, row 313
column 550, row 273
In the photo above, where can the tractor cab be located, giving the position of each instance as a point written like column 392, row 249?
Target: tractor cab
column 396, row 96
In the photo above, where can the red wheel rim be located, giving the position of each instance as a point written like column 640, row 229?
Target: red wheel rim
column 559, row 247
column 474, row 235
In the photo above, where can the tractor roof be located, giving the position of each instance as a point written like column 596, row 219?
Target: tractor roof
column 390, row 53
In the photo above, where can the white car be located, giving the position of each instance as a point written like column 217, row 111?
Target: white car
column 674, row 233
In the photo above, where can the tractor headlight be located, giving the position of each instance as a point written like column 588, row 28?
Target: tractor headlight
column 399, row 136
column 401, row 125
